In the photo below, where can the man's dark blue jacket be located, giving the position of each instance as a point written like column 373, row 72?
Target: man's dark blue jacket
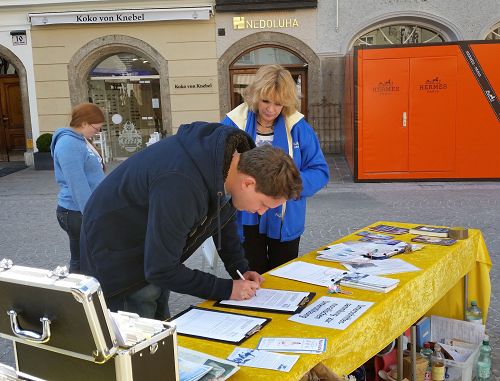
column 155, row 209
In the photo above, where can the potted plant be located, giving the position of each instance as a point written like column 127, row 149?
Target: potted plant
column 43, row 158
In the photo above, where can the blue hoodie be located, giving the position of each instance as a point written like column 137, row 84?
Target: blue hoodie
column 295, row 136
column 78, row 170
column 152, row 212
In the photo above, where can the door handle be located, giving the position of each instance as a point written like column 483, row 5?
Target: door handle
column 404, row 119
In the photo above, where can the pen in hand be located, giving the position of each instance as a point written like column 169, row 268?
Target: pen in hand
column 240, row 275
column 243, row 278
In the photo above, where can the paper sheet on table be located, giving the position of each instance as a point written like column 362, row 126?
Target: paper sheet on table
column 262, row 359
column 383, row 266
column 216, row 325
column 308, row 273
column 292, row 344
column 328, row 312
column 266, row 298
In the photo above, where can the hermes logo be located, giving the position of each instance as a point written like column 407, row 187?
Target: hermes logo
column 238, row 22
column 433, row 85
column 385, row 87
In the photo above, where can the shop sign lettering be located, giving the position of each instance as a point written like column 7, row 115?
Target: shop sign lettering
column 189, row 85
column 243, row 23
column 119, row 17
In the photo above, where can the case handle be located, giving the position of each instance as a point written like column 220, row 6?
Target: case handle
column 32, row 336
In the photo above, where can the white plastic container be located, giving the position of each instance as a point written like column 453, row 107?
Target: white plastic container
column 445, row 328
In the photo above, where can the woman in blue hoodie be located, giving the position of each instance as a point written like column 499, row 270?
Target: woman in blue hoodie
column 78, row 169
column 269, row 115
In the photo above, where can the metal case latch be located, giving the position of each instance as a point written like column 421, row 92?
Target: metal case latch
column 5, row 264
column 59, row 272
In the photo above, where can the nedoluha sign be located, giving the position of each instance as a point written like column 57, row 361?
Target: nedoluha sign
column 423, row 112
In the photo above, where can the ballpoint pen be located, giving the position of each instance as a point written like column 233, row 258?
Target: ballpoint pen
column 240, row 275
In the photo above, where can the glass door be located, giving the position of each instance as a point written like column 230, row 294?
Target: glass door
column 242, row 72
column 131, row 100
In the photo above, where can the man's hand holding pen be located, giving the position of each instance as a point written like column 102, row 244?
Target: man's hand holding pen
column 247, row 286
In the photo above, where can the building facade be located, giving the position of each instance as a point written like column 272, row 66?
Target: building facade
column 157, row 64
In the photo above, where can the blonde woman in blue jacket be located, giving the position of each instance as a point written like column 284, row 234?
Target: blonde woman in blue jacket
column 269, row 115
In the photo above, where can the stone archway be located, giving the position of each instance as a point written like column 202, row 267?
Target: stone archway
column 264, row 38
column 94, row 51
column 23, row 84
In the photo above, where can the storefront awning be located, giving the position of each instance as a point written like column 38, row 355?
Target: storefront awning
column 121, row 16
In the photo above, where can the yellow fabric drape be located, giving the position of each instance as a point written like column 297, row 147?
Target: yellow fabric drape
column 436, row 289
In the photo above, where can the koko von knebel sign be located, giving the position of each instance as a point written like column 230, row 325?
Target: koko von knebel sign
column 121, row 16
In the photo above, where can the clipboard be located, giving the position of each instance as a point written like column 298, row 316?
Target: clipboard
column 248, row 334
column 303, row 304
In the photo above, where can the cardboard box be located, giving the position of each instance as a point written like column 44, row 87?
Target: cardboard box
column 421, row 367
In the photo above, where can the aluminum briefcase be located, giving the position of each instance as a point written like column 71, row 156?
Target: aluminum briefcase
column 62, row 331
column 55, row 311
column 150, row 360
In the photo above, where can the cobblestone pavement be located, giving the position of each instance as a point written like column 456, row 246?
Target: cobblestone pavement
column 30, row 235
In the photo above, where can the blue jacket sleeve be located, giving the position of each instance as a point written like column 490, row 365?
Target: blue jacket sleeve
column 313, row 167
column 71, row 157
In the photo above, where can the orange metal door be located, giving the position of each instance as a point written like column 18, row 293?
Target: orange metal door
column 384, row 129
column 431, row 122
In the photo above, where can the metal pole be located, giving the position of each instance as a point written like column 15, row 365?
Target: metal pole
column 413, row 333
column 400, row 357
column 466, row 294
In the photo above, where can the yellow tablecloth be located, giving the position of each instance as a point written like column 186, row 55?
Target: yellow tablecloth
column 436, row 289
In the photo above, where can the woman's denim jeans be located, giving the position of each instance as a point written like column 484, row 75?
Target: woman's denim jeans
column 71, row 222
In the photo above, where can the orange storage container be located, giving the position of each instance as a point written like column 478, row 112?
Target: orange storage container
column 423, row 112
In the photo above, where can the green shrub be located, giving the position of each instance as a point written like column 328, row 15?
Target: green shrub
column 43, row 142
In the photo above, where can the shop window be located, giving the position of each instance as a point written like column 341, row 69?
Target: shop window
column 127, row 86
column 399, row 35
column 6, row 67
column 243, row 69
column 494, row 34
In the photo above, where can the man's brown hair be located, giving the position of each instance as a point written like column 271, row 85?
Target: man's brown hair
column 274, row 171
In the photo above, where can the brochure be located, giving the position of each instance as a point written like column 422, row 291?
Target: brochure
column 389, row 229
column 262, row 359
column 368, row 234
column 430, row 231
column 434, row 240
column 292, row 344
column 369, row 282
column 220, row 369
column 390, row 266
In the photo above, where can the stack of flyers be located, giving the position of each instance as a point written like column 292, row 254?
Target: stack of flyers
column 434, row 240
column 343, row 253
column 389, row 229
column 367, row 234
column 380, row 241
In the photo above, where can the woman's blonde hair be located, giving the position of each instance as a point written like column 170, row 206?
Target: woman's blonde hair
column 275, row 83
